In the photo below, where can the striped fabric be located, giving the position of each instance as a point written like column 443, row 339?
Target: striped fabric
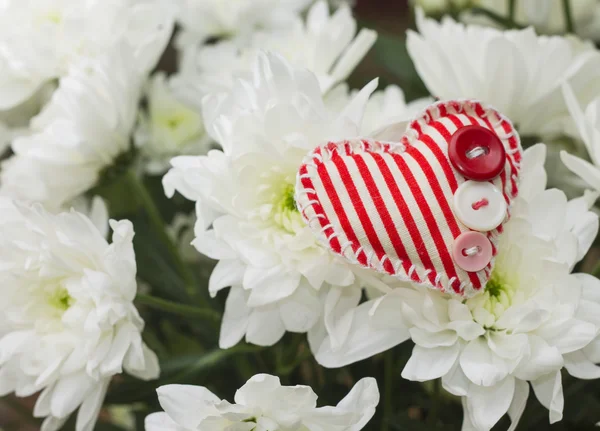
column 388, row 206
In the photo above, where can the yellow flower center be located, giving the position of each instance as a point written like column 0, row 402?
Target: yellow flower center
column 175, row 120
column 491, row 304
column 499, row 294
column 60, row 299
column 285, row 212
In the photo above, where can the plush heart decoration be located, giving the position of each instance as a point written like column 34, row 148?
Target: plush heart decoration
column 391, row 206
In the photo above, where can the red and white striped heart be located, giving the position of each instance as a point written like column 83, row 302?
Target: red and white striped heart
column 428, row 208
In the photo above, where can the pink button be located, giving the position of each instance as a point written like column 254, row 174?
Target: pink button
column 472, row 251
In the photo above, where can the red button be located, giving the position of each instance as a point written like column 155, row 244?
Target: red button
column 477, row 153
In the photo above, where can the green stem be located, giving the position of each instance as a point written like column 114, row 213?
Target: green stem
column 161, row 230
column 512, row 6
column 596, row 270
column 568, row 16
column 432, row 417
column 179, row 309
column 387, row 396
column 499, row 19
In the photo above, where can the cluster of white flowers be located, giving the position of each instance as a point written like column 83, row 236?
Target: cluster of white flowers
column 99, row 54
column 67, row 321
column 258, row 85
column 71, row 75
column 517, row 72
column 262, row 404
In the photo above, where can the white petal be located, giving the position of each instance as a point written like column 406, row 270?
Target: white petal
column 588, row 172
column 351, row 414
column 519, row 402
column 90, row 408
column 160, row 422
column 455, row 381
column 467, row 424
column 487, row 405
column 579, row 365
column 533, row 178
column 543, row 359
column 147, row 369
column 430, row 340
column 549, row 209
column 270, row 286
column 428, row 364
column 15, row 91
column 227, row 272
column 508, row 346
column 42, row 405
column 548, row 390
column 301, row 311
column 265, row 326
column 69, row 393
column 365, row 339
column 8, row 380
column 580, row 120
column 568, row 336
column 208, row 244
column 352, row 56
column 362, row 400
column 261, row 387
column 12, row 342
column 235, row 318
column 340, row 304
column 481, row 365
column 583, row 224
column 355, row 109
column 113, row 362
column 52, row 424
column 187, row 405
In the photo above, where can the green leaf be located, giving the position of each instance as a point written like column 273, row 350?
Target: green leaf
column 154, row 264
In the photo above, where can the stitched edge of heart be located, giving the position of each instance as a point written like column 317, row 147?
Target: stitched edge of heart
column 431, row 113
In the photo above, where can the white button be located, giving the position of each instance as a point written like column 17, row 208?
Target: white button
column 479, row 205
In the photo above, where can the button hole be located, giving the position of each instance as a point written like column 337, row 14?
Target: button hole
column 471, row 251
column 480, row 204
column 477, row 152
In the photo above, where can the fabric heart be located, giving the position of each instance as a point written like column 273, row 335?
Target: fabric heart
column 392, row 206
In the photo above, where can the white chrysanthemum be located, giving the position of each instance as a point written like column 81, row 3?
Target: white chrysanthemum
column 325, row 44
column 533, row 319
column 168, row 128
column 67, row 319
column 84, row 128
column 547, row 16
column 588, row 128
column 205, row 19
column 517, row 72
column 247, row 217
column 262, row 404
column 41, row 39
